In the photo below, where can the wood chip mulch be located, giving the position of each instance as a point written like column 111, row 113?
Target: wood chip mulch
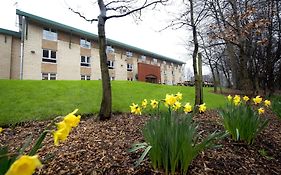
column 96, row 147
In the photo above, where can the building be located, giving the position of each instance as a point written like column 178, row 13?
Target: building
column 48, row 50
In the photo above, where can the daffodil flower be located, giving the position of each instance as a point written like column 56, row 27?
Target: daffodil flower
column 261, row 110
column 176, row 106
column 187, row 108
column 257, row 100
column 178, row 96
column 267, row 103
column 135, row 109
column 1, row 129
column 154, row 103
column 202, row 108
column 246, row 98
column 144, row 103
column 71, row 119
column 60, row 135
column 25, row 165
column 236, row 100
column 170, row 100
column 229, row 97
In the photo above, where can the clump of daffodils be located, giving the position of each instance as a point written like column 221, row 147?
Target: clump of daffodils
column 64, row 127
column 171, row 101
column 236, row 100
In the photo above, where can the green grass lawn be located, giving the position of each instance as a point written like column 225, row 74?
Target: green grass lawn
column 38, row 100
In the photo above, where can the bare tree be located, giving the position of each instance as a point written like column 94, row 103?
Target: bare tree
column 110, row 10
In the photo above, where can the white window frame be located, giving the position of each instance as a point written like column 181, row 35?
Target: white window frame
column 110, row 64
column 50, row 34
column 129, row 67
column 154, row 60
column 85, row 43
column 86, row 62
column 143, row 58
column 110, row 49
column 49, row 75
column 129, row 54
column 49, row 59
column 85, row 77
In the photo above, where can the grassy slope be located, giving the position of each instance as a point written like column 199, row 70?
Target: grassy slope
column 36, row 100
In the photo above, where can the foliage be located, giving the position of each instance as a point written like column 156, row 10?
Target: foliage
column 171, row 138
column 18, row 163
column 276, row 106
column 241, row 120
column 39, row 100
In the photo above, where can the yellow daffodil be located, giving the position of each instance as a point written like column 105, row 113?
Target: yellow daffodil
column 236, row 100
column 176, row 106
column 178, row 96
column 144, row 103
column 257, row 100
column 202, row 108
column 1, row 129
column 25, row 165
column 246, row 98
column 154, row 103
column 187, row 108
column 63, row 130
column 135, row 109
column 170, row 100
column 261, row 110
column 71, row 119
column 267, row 103
column 229, row 97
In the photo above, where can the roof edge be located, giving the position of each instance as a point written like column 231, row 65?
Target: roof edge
column 10, row 32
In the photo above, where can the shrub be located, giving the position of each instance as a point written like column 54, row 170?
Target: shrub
column 242, row 121
column 171, row 139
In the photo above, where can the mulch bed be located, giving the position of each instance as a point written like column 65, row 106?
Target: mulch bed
column 96, row 147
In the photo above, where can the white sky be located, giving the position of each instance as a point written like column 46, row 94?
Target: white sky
column 144, row 34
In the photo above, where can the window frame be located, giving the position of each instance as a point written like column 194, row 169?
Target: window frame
column 85, row 77
column 110, row 49
column 87, row 62
column 85, row 43
column 49, row 75
column 49, row 59
column 129, row 67
column 50, row 34
column 110, row 64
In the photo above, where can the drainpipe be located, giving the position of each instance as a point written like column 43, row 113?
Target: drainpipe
column 22, row 47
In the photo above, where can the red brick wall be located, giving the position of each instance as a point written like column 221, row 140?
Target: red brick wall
column 148, row 69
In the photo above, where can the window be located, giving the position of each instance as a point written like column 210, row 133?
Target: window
column 112, row 78
column 110, row 64
column 129, row 67
column 143, row 58
column 129, row 54
column 130, row 79
column 164, row 62
column 49, row 76
column 85, row 77
column 50, row 34
column 49, row 56
column 154, row 60
column 85, row 61
column 109, row 49
column 85, row 43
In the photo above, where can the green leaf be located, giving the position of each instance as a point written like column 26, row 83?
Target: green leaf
column 143, row 155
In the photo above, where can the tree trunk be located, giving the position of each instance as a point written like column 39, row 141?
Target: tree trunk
column 106, row 103
column 198, row 95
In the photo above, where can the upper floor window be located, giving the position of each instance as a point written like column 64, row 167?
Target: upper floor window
column 143, row 58
column 85, row 61
column 110, row 64
column 154, row 60
column 50, row 34
column 85, row 77
column 49, row 56
column 49, row 76
column 129, row 67
column 129, row 54
column 85, row 43
column 109, row 49
column 164, row 62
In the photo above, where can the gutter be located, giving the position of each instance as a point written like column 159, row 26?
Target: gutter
column 22, row 47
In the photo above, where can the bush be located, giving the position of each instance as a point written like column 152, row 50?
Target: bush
column 171, row 138
column 241, row 120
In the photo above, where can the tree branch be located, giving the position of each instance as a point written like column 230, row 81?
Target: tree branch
column 82, row 16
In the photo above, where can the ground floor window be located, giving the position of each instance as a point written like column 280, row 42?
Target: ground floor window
column 85, row 77
column 49, row 76
column 112, row 78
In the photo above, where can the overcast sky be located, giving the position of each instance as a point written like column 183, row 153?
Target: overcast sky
column 144, row 34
